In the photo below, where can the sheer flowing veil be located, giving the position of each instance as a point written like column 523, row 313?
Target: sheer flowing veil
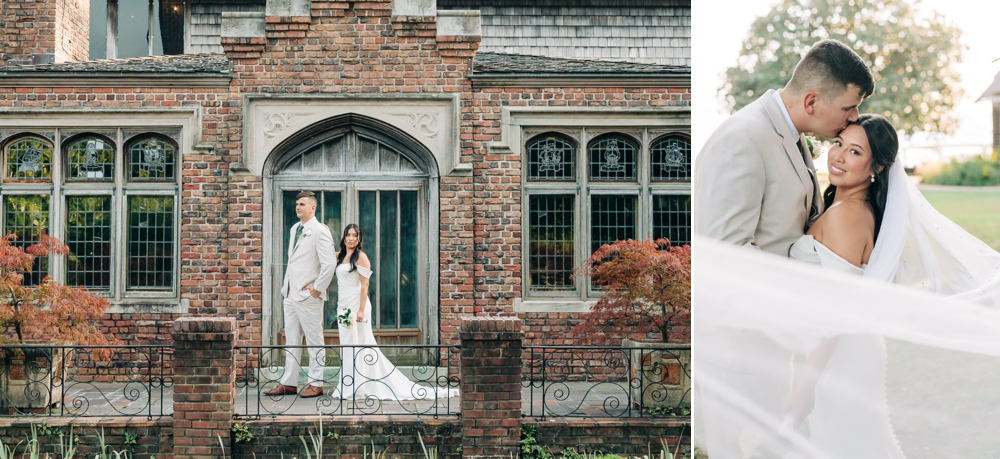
column 931, row 290
column 921, row 248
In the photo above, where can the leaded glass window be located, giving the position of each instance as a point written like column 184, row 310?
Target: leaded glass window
column 671, row 159
column 612, row 218
column 550, row 158
column 551, row 242
column 88, row 235
column 91, row 158
column 625, row 189
column 672, row 218
column 29, row 159
column 150, row 242
column 27, row 216
column 122, row 241
column 612, row 158
column 152, row 158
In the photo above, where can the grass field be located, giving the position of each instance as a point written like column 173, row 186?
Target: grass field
column 976, row 211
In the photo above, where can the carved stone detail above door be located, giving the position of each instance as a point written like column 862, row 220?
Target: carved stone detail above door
column 432, row 121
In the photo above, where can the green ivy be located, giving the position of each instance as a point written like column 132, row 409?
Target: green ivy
column 529, row 446
column 242, row 433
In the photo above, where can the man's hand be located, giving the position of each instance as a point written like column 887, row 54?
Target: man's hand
column 312, row 292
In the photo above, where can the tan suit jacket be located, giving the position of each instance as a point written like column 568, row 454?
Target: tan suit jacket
column 752, row 184
column 310, row 262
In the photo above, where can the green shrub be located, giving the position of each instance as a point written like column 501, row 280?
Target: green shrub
column 977, row 171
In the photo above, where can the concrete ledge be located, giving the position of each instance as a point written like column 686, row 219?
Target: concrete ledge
column 414, row 7
column 288, row 8
column 459, row 23
column 243, row 25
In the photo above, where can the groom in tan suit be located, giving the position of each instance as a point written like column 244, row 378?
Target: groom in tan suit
column 311, row 264
column 753, row 183
column 755, row 186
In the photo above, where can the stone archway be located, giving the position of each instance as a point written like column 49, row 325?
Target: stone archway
column 366, row 172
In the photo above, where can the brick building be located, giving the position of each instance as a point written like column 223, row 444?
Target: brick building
column 485, row 149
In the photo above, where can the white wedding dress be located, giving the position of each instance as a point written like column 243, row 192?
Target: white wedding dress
column 852, row 382
column 366, row 373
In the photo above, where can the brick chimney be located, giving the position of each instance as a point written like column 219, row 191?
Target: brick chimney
column 44, row 31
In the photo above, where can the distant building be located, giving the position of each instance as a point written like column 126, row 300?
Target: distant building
column 480, row 179
column 992, row 93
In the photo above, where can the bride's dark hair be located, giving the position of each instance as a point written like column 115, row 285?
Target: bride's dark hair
column 343, row 247
column 884, row 144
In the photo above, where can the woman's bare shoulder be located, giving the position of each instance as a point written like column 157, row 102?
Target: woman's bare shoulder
column 847, row 229
column 364, row 261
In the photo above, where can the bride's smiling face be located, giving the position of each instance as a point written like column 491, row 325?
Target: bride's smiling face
column 850, row 158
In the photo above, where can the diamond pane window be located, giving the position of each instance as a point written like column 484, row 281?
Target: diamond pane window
column 91, row 158
column 152, row 158
column 551, row 243
column 88, row 235
column 550, row 157
column 671, row 159
column 672, row 218
column 612, row 218
column 27, row 216
column 612, row 158
column 29, row 158
column 150, row 242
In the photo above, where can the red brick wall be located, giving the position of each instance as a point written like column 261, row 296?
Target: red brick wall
column 352, row 51
column 154, row 438
column 349, row 48
column 481, row 242
column 72, row 30
column 277, row 438
column 27, row 27
column 634, row 438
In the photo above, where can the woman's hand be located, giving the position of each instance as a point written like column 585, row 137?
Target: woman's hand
column 361, row 316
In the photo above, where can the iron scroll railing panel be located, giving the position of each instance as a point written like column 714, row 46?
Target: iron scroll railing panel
column 355, row 381
column 44, row 380
column 606, row 381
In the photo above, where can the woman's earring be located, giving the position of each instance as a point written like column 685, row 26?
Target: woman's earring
column 873, row 178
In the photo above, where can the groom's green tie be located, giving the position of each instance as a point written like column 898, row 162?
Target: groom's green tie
column 298, row 234
column 814, row 209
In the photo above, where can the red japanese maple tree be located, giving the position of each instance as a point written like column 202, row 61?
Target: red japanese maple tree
column 646, row 288
column 49, row 311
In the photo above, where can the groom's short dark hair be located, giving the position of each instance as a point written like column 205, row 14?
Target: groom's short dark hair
column 306, row 194
column 828, row 68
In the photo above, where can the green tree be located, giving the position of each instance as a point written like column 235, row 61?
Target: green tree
column 911, row 53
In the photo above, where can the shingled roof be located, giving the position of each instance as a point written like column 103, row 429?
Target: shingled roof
column 992, row 92
column 159, row 70
column 497, row 64
column 213, row 69
column 182, row 64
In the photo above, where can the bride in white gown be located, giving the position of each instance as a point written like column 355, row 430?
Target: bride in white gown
column 878, row 227
column 366, row 372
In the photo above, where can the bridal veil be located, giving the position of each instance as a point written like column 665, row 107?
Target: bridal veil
column 931, row 290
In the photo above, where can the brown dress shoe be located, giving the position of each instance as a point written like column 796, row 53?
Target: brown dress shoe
column 282, row 390
column 311, row 391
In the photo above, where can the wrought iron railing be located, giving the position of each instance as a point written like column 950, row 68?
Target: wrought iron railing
column 46, row 380
column 356, row 381
column 606, row 381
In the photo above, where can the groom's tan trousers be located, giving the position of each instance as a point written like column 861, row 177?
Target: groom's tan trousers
column 306, row 317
